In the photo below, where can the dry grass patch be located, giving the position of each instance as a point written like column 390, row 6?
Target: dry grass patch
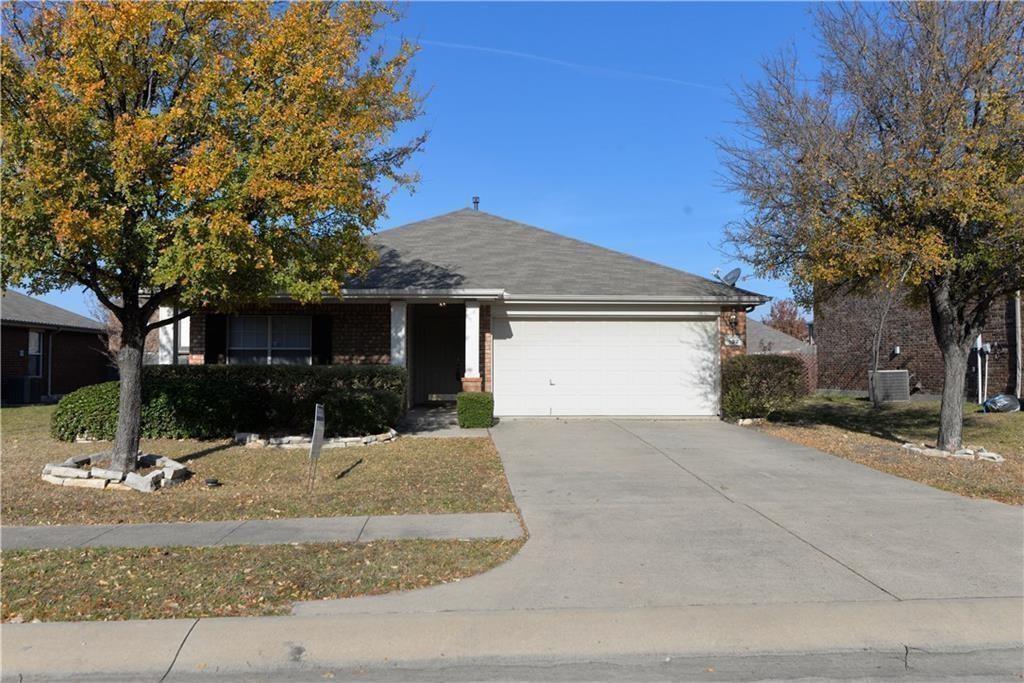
column 410, row 475
column 851, row 428
column 102, row 584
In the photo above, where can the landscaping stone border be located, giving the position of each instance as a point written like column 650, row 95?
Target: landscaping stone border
column 963, row 453
column 76, row 472
column 253, row 440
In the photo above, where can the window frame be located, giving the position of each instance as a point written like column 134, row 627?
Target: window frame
column 38, row 354
column 269, row 348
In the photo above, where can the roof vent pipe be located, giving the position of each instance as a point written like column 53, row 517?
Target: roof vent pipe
column 476, row 203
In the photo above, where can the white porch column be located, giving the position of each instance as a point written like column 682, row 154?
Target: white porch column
column 165, row 338
column 398, row 333
column 471, row 380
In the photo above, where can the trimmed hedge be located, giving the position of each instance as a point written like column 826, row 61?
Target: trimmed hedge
column 758, row 385
column 475, row 409
column 213, row 401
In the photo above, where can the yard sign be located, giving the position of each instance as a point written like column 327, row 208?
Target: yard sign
column 316, row 443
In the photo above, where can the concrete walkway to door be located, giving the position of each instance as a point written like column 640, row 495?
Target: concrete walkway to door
column 633, row 513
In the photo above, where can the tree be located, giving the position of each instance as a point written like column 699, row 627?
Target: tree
column 902, row 161
column 194, row 153
column 784, row 316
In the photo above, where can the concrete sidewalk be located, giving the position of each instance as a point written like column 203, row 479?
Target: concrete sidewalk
column 359, row 529
column 272, row 647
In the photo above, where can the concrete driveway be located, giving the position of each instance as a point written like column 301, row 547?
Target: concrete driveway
column 633, row 513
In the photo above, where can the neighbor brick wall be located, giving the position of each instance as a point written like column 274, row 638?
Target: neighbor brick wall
column 725, row 328
column 14, row 351
column 360, row 333
column 844, row 329
column 79, row 359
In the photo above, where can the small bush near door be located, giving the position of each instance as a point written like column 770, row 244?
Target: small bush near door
column 476, row 409
column 212, row 401
column 757, row 386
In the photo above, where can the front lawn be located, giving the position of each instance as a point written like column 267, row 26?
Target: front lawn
column 101, row 584
column 852, row 428
column 410, row 475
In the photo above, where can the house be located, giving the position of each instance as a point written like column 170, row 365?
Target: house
column 48, row 351
column 469, row 301
column 844, row 328
column 764, row 339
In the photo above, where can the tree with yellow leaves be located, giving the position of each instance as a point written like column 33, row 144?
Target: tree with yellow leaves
column 900, row 166
column 196, row 154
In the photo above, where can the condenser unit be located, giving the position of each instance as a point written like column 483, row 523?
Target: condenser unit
column 891, row 385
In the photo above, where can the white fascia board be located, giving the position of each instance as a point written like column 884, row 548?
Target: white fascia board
column 740, row 299
column 661, row 311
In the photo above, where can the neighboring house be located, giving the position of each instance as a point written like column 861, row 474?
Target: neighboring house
column 764, row 339
column 470, row 301
column 844, row 328
column 48, row 351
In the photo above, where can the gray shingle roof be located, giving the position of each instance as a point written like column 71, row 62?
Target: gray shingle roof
column 19, row 309
column 764, row 339
column 469, row 249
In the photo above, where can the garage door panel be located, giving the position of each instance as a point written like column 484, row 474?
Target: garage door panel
column 605, row 367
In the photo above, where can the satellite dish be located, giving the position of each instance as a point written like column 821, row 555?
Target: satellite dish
column 731, row 277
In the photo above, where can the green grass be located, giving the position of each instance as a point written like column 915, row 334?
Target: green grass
column 410, row 475
column 99, row 584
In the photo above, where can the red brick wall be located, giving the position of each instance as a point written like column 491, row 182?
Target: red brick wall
column 486, row 348
column 360, row 333
column 726, row 327
column 844, row 329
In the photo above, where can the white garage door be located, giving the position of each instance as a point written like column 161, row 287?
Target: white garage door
column 605, row 367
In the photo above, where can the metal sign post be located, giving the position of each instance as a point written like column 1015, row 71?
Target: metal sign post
column 316, row 443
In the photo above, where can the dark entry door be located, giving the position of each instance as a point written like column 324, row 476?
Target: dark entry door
column 438, row 351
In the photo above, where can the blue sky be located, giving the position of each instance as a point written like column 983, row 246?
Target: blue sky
column 595, row 120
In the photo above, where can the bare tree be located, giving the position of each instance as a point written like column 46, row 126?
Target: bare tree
column 907, row 147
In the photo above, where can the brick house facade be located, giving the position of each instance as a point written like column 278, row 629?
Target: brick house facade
column 46, row 352
column 359, row 334
column 844, row 331
column 468, row 301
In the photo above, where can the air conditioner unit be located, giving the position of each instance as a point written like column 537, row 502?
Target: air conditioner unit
column 891, row 385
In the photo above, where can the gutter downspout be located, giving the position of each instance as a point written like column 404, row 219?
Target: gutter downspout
column 1016, row 316
column 49, row 363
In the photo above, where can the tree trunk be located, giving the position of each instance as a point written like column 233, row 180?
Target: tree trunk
column 129, row 413
column 951, row 415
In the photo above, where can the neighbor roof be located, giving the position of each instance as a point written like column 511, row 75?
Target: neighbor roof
column 18, row 309
column 764, row 339
column 470, row 249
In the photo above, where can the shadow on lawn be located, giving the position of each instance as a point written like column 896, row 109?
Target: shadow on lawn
column 195, row 455
column 895, row 422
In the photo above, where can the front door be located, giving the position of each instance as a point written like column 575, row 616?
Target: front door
column 438, row 351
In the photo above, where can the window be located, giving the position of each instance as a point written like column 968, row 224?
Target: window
column 270, row 340
column 35, row 353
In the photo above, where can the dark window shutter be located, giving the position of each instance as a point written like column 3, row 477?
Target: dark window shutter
column 216, row 339
column 321, row 342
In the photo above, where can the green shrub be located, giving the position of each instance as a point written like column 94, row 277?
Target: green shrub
column 757, row 386
column 90, row 410
column 212, row 401
column 475, row 409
